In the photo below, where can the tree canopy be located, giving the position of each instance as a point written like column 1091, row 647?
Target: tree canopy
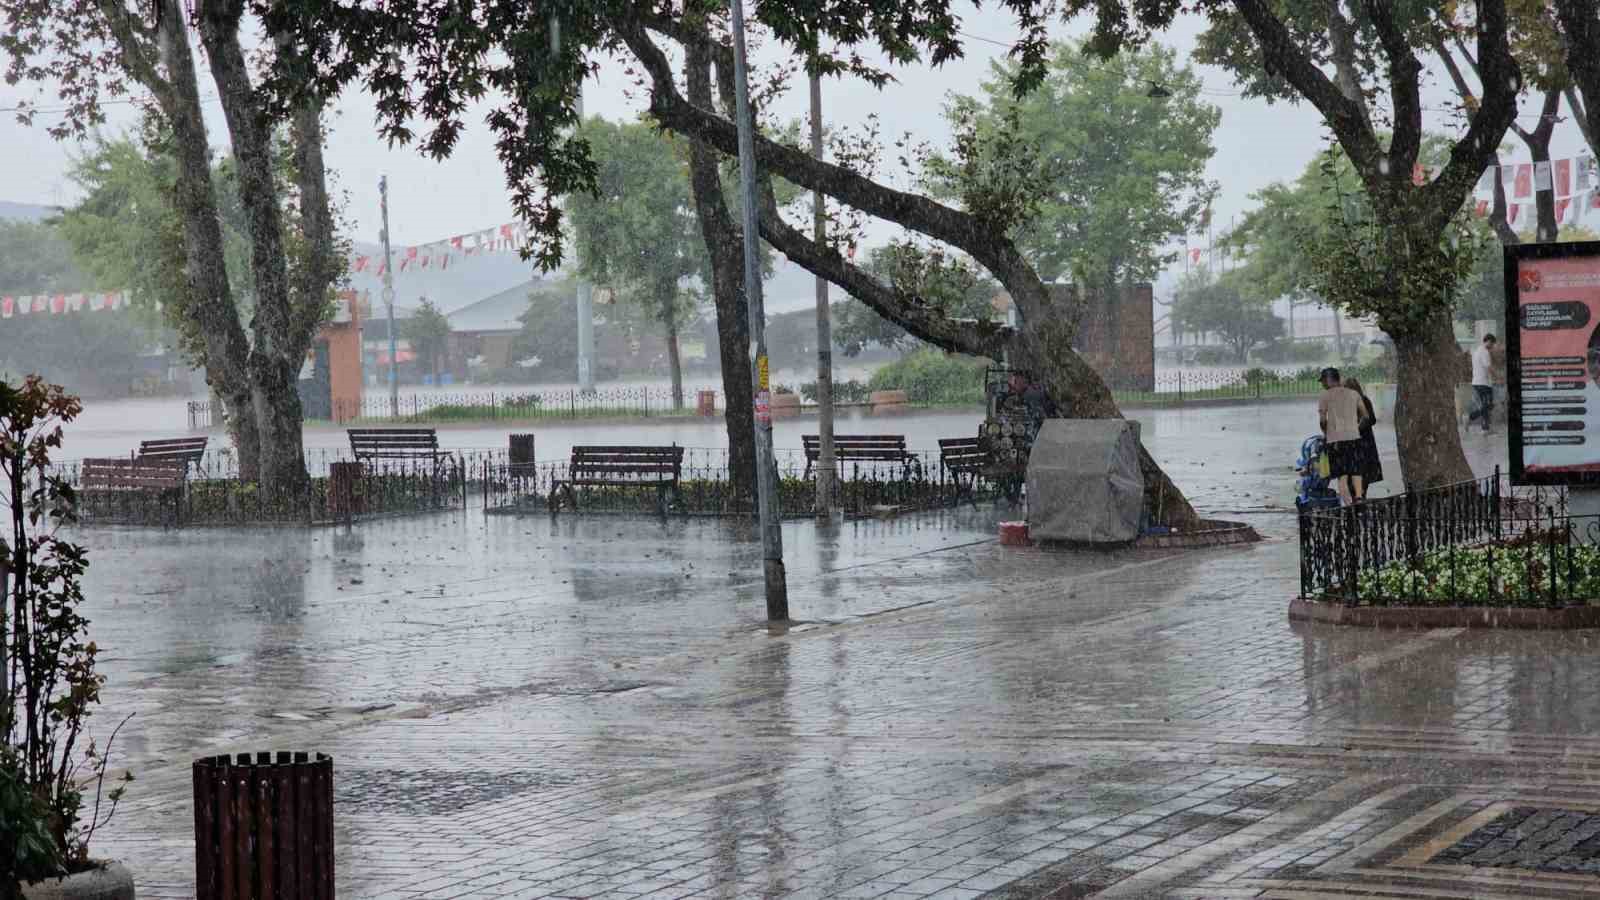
column 1225, row 306
column 1118, row 173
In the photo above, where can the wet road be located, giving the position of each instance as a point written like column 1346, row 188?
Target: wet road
column 593, row 707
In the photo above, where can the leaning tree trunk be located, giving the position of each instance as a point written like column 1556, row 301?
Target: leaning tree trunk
column 669, row 321
column 1045, row 348
column 723, row 243
column 1429, row 364
column 276, row 398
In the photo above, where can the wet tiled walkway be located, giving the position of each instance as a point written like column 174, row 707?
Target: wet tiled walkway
column 593, row 708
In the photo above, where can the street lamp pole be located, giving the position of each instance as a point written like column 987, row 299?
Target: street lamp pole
column 825, row 461
column 388, row 300
column 777, row 587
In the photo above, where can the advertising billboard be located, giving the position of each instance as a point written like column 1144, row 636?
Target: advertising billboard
column 1553, row 362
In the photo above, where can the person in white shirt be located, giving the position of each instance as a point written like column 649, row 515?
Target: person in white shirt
column 1482, row 381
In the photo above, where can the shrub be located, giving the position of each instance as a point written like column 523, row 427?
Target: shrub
column 932, row 376
column 843, row 391
column 1517, row 573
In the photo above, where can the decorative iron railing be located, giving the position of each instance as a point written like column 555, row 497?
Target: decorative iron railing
column 1470, row 543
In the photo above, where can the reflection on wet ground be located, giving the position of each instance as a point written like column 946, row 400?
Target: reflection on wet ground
column 527, row 707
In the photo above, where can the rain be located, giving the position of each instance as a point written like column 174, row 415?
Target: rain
column 798, row 450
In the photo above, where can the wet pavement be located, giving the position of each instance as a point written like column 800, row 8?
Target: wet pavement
column 583, row 707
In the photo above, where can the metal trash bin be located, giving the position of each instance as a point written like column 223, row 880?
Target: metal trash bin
column 263, row 827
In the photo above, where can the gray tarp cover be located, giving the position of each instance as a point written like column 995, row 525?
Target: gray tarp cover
column 1084, row 482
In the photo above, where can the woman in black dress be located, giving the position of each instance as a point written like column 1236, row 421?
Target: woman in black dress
column 1371, row 465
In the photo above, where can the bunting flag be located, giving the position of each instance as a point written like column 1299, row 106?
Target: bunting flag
column 360, row 264
column 1194, row 256
column 1585, row 164
column 1563, row 177
column 8, row 307
column 1561, row 209
column 1419, row 176
column 59, row 304
column 1511, row 213
column 1481, row 210
column 1524, row 181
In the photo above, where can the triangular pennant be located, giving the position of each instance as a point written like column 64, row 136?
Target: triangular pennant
column 1561, row 209
column 1511, row 213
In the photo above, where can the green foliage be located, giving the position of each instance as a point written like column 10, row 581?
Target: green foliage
column 1098, row 176
column 932, row 276
column 127, row 235
column 550, row 334
column 933, row 377
column 428, row 331
column 637, row 232
column 53, row 685
column 851, row 391
column 1517, row 574
column 36, row 259
column 28, row 851
column 1208, row 304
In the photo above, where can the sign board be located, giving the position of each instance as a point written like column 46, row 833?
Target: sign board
column 1553, row 362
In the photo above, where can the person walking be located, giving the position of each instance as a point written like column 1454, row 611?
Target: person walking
column 1483, row 382
column 1339, row 413
column 1371, row 464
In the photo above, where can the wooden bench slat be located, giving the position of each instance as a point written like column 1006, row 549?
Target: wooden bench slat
column 394, row 443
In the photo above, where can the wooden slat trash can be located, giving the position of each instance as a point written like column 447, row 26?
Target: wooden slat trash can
column 522, row 461
column 263, row 827
column 345, row 500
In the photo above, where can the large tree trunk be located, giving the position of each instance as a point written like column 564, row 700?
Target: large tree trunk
column 1429, row 363
column 1580, row 23
column 282, row 327
column 669, row 324
column 210, row 303
column 723, row 243
column 1044, row 346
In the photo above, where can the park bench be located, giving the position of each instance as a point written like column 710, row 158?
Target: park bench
column 188, row 450
column 119, row 482
column 863, row 448
column 963, row 460
column 368, row 444
column 595, row 466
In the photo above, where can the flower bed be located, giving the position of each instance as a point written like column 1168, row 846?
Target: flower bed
column 1537, row 570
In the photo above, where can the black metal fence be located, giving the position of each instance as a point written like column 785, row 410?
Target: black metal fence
column 704, row 488
column 341, row 491
column 1476, row 542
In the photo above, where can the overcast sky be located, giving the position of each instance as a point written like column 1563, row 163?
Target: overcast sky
column 1256, row 143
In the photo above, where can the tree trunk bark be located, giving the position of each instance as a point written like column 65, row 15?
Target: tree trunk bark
column 210, row 305
column 282, row 328
column 1429, row 363
column 723, row 240
column 669, row 322
column 1045, row 348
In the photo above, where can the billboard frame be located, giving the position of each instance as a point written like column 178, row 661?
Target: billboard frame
column 1514, row 256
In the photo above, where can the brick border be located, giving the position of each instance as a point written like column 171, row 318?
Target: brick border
column 1570, row 617
column 1211, row 533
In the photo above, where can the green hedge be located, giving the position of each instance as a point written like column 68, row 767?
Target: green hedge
column 933, row 377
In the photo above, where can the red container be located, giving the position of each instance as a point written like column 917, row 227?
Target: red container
column 1014, row 534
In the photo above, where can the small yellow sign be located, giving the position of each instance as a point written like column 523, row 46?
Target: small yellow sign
column 761, row 373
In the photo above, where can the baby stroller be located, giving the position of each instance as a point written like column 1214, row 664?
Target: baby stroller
column 1315, row 490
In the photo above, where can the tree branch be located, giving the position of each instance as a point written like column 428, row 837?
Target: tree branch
column 1580, row 26
column 1580, row 116
column 1284, row 57
column 1405, row 91
column 1502, row 81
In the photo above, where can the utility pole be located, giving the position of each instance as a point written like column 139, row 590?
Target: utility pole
column 585, row 290
column 825, row 463
column 766, row 467
column 388, row 299
column 585, row 308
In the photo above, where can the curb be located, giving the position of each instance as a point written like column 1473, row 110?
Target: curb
column 1531, row 619
column 1214, row 533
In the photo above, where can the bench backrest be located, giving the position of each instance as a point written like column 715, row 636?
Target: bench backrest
column 858, row 446
column 118, row 474
column 189, row 450
column 393, row 442
column 591, row 461
column 961, row 453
